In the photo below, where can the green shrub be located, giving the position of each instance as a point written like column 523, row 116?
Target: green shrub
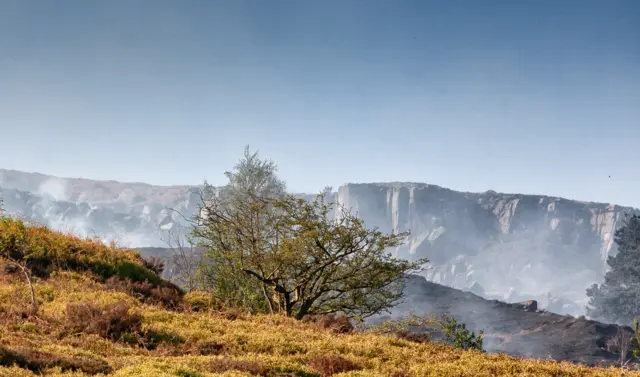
column 458, row 335
column 450, row 331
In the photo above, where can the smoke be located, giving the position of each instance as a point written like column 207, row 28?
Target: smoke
column 55, row 188
column 51, row 204
column 506, row 247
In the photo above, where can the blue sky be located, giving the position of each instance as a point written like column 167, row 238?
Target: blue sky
column 514, row 96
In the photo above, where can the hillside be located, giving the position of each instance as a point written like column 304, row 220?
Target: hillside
column 514, row 328
column 97, row 316
column 517, row 329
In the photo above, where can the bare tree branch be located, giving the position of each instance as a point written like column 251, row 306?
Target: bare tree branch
column 184, row 260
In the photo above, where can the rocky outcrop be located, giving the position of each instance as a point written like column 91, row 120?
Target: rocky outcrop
column 529, row 305
column 508, row 246
column 133, row 214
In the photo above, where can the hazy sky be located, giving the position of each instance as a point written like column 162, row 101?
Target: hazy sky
column 515, row 96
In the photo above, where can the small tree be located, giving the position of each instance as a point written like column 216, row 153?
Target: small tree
column 23, row 267
column 618, row 298
column 327, row 266
column 620, row 344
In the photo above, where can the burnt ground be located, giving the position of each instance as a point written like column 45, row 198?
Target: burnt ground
column 516, row 329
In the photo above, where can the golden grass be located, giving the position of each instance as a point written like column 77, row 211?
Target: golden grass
column 217, row 344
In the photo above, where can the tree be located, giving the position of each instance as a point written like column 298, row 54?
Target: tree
column 294, row 256
column 25, row 270
column 324, row 265
column 251, row 184
column 620, row 343
column 618, row 298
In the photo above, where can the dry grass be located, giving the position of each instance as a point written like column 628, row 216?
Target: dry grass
column 85, row 327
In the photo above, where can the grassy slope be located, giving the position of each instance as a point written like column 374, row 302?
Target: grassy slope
column 214, row 344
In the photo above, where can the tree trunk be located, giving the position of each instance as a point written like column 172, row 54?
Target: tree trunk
column 266, row 296
column 304, row 309
column 288, row 305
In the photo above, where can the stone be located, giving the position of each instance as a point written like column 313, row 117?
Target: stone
column 529, row 305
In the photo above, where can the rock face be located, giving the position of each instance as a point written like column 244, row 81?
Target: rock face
column 508, row 246
column 518, row 329
column 133, row 214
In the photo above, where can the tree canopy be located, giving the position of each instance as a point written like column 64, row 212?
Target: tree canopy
column 618, row 298
column 270, row 251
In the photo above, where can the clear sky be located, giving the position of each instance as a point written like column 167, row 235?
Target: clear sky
column 514, row 96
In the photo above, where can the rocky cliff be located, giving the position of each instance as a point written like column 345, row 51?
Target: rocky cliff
column 508, row 246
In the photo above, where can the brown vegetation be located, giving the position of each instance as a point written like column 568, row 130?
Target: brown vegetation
column 37, row 361
column 328, row 365
column 165, row 294
column 114, row 322
column 339, row 324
